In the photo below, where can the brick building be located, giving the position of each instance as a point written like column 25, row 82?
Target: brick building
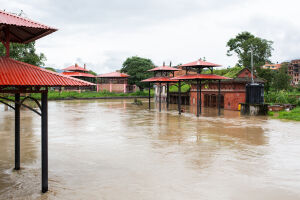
column 233, row 92
column 114, row 82
column 293, row 71
column 271, row 66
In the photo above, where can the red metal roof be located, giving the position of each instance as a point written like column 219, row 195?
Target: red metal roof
column 164, row 68
column 75, row 68
column 16, row 73
column 113, row 75
column 22, row 30
column 159, row 79
column 200, row 76
column 200, row 63
column 78, row 74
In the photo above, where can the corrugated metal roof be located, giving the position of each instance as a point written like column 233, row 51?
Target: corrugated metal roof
column 78, row 74
column 16, row 73
column 200, row 63
column 164, row 68
column 22, row 30
column 200, row 76
column 113, row 75
column 159, row 79
column 75, row 68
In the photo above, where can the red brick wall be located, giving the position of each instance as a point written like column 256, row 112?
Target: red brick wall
column 245, row 73
column 119, row 88
column 234, row 94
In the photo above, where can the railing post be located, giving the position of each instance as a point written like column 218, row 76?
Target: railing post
column 168, row 98
column 17, row 131
column 197, row 98
column 159, row 96
column 200, row 97
column 149, row 97
column 179, row 97
column 44, row 141
column 219, row 97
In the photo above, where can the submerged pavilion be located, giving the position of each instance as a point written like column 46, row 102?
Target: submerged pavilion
column 18, row 78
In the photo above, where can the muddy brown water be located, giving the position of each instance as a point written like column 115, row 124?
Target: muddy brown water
column 115, row 150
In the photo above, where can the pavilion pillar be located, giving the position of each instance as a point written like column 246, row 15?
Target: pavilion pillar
column 197, row 98
column 44, row 141
column 159, row 96
column 179, row 97
column 149, row 97
column 219, row 97
column 168, row 98
column 200, row 97
column 17, row 131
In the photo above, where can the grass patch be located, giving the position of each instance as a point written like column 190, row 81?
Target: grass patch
column 290, row 115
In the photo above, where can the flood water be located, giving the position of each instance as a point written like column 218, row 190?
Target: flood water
column 115, row 150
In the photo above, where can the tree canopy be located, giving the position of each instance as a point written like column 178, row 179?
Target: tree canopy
column 137, row 68
column 242, row 45
column 25, row 53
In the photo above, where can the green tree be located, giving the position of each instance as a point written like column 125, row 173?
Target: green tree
column 24, row 53
column 268, row 75
column 281, row 79
column 242, row 45
column 137, row 68
column 92, row 72
column 50, row 69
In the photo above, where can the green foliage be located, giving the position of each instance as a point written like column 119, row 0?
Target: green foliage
column 268, row 75
column 184, row 87
column 281, row 97
column 137, row 68
column 24, row 53
column 92, row 72
column 242, row 44
column 290, row 115
column 53, row 95
column 233, row 72
column 50, row 69
column 281, row 79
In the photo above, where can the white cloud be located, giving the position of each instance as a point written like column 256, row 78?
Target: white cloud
column 103, row 33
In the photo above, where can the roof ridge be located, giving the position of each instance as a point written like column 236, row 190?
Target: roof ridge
column 45, row 70
column 26, row 19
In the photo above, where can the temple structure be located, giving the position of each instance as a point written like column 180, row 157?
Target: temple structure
column 80, row 73
column 114, row 82
column 233, row 91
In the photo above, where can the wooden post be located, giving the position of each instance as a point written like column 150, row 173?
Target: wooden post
column 179, row 97
column 159, row 96
column 44, row 141
column 200, row 97
column 197, row 97
column 219, row 97
column 168, row 97
column 149, row 97
column 17, row 131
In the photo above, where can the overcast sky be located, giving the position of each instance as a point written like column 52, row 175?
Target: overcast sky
column 103, row 33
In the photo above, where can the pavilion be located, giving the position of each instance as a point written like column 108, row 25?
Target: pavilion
column 80, row 73
column 21, row 78
column 162, row 75
column 199, row 65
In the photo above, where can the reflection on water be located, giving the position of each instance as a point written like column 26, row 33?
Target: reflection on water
column 111, row 149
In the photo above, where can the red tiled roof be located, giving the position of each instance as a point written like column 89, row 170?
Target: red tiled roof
column 200, row 76
column 113, row 75
column 16, row 73
column 22, row 30
column 200, row 63
column 78, row 74
column 164, row 68
column 159, row 79
column 75, row 68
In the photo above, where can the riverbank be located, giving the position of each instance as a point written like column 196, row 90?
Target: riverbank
column 71, row 95
column 290, row 115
